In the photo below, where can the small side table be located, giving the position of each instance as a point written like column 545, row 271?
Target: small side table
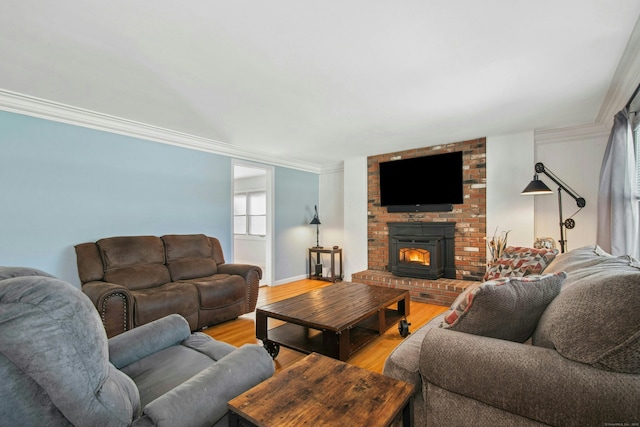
column 315, row 261
column 320, row 391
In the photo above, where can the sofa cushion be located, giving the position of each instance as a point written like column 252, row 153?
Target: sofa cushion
column 220, row 290
column 126, row 251
column 596, row 321
column 403, row 362
column 189, row 256
column 139, row 276
column 136, row 262
column 161, row 301
column 158, row 373
column 583, row 262
column 90, row 265
column 507, row 308
column 517, row 261
column 192, row 268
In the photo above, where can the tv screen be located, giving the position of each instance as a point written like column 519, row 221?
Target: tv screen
column 427, row 180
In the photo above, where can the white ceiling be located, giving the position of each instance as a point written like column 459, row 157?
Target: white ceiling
column 321, row 81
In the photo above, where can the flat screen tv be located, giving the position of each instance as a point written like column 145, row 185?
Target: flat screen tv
column 422, row 183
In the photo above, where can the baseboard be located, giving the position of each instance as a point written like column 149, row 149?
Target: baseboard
column 289, row 280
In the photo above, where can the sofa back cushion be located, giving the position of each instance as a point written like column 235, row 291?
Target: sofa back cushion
column 90, row 265
column 583, row 262
column 189, row 256
column 136, row 262
column 578, row 259
column 596, row 320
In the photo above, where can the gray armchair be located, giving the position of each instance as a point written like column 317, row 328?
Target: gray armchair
column 58, row 367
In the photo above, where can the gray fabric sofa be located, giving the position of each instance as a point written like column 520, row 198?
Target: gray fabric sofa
column 57, row 366
column 581, row 367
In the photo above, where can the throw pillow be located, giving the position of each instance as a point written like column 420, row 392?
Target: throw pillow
column 507, row 308
column 518, row 261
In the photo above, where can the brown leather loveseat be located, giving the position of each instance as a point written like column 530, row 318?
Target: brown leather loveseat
column 134, row 280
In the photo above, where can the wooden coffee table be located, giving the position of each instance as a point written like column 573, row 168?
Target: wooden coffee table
column 336, row 320
column 320, row 391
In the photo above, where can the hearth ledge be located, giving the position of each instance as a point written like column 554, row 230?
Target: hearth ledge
column 440, row 292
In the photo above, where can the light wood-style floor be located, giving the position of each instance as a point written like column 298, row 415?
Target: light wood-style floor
column 372, row 356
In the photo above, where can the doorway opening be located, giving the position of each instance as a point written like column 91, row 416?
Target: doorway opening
column 252, row 217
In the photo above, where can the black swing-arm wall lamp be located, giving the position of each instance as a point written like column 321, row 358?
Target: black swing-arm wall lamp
column 538, row 187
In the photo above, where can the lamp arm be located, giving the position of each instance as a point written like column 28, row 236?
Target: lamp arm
column 580, row 201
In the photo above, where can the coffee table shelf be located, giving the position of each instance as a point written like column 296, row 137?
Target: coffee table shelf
column 335, row 321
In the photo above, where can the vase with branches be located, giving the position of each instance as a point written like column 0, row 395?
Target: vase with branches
column 497, row 245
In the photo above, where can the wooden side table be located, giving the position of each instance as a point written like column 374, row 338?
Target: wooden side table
column 315, row 259
column 320, row 391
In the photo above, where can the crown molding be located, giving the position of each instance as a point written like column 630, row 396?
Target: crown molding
column 49, row 110
column 332, row 168
column 546, row 136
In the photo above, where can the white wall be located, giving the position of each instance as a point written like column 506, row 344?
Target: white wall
column 295, row 194
column 355, row 216
column 331, row 208
column 576, row 160
column 510, row 167
column 330, row 212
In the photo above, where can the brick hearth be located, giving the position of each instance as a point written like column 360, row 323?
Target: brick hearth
column 440, row 292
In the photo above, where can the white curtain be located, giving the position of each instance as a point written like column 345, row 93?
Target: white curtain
column 618, row 219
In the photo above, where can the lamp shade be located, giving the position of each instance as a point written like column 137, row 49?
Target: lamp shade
column 536, row 187
column 315, row 220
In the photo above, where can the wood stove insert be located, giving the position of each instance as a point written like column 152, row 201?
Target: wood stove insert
column 422, row 249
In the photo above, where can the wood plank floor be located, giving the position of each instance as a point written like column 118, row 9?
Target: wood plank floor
column 372, row 356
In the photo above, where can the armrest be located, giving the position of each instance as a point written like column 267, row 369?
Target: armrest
column 114, row 303
column 534, row 382
column 202, row 400
column 244, row 270
column 147, row 339
column 252, row 275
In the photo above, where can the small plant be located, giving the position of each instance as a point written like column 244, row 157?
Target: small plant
column 497, row 245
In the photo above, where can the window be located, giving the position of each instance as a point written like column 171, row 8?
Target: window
column 250, row 213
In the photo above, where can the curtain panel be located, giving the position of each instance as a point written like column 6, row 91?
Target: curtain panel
column 618, row 218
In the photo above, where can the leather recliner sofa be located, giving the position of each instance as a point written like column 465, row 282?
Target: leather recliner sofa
column 134, row 280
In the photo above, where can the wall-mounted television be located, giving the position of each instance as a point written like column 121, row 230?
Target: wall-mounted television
column 428, row 183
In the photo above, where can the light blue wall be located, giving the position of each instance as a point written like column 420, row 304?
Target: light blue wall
column 62, row 185
column 296, row 193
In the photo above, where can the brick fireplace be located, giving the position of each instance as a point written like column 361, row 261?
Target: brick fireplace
column 469, row 245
